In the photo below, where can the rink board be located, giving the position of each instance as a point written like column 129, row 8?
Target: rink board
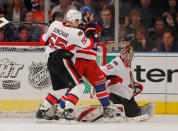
column 24, row 80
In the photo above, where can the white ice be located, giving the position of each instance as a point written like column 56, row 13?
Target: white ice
column 158, row 123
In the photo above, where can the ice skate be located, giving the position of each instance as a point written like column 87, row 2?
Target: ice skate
column 112, row 112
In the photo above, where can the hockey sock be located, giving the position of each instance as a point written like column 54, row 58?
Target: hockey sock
column 73, row 96
column 102, row 94
column 50, row 100
column 63, row 99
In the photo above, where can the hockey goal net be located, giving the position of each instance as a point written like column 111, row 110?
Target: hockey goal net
column 25, row 80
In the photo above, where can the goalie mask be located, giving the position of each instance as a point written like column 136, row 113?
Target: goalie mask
column 127, row 53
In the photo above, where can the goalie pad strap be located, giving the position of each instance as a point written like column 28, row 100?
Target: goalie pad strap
column 85, row 113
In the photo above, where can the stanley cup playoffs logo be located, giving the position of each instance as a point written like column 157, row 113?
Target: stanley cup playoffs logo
column 39, row 76
column 9, row 71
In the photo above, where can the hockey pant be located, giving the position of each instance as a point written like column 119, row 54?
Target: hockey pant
column 95, row 76
column 130, row 106
column 64, row 75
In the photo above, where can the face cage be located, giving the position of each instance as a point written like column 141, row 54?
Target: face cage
column 128, row 56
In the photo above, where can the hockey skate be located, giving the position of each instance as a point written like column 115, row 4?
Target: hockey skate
column 68, row 114
column 111, row 112
column 148, row 109
column 46, row 114
column 58, row 114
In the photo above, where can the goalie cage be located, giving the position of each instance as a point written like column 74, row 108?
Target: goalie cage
column 12, row 107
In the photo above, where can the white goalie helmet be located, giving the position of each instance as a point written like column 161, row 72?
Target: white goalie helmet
column 73, row 15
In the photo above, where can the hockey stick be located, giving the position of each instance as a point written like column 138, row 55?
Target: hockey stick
column 4, row 21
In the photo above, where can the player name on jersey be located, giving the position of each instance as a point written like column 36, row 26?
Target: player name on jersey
column 61, row 32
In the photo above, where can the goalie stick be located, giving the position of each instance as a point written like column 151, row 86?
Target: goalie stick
column 4, row 21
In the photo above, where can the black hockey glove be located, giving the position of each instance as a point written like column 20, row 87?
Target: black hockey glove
column 91, row 31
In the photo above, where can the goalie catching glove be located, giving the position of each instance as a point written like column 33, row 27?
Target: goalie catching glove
column 138, row 88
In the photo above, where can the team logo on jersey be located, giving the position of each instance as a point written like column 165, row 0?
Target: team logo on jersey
column 80, row 33
column 39, row 76
column 9, row 71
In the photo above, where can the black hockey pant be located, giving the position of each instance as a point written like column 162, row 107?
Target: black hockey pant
column 61, row 69
column 130, row 106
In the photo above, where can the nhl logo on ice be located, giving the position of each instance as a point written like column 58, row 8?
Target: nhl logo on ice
column 39, row 76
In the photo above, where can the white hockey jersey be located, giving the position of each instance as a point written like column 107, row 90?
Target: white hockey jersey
column 121, row 85
column 65, row 37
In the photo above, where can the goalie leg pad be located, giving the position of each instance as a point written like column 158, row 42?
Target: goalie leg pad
column 148, row 109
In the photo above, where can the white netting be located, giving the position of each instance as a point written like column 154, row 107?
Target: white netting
column 24, row 80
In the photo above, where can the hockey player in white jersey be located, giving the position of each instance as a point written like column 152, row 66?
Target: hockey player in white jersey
column 122, row 87
column 62, row 40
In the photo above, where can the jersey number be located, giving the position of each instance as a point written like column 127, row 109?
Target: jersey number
column 57, row 42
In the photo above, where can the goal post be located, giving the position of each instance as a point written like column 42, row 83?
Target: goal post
column 25, row 80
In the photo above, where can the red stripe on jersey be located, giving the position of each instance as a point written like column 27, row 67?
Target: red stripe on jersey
column 91, row 45
column 72, row 98
column 103, row 94
column 51, row 99
column 116, row 80
column 73, row 72
column 71, row 47
column 86, row 52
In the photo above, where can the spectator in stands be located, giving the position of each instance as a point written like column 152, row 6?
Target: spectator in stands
column 64, row 6
column 39, row 14
column 170, row 13
column 2, row 35
column 23, row 35
column 141, row 43
column 16, row 10
column 135, row 18
column 169, row 44
column 9, row 29
column 176, row 26
column 122, row 34
column 76, row 3
column 148, row 13
column 155, row 35
column 34, row 31
column 107, row 34
column 57, row 16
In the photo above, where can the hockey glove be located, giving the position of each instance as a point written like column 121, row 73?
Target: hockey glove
column 138, row 88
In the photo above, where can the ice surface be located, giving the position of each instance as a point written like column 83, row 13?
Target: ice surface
column 158, row 123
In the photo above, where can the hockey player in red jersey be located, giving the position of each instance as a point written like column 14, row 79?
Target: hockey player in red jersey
column 122, row 87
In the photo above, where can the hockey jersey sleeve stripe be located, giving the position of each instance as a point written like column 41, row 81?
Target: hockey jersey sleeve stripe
column 71, row 47
column 86, row 52
column 91, row 45
column 116, row 80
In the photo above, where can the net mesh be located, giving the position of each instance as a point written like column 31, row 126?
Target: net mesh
column 27, row 108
